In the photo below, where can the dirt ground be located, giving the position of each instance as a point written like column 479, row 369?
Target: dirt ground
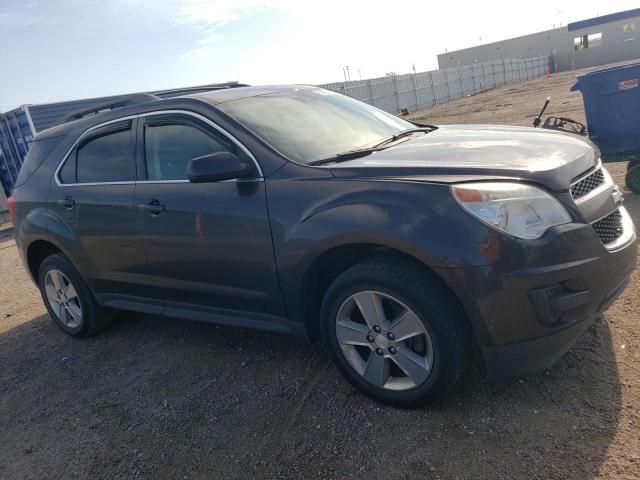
column 158, row 398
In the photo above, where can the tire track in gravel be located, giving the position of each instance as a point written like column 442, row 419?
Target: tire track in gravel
column 271, row 448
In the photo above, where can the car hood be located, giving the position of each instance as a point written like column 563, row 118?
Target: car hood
column 454, row 153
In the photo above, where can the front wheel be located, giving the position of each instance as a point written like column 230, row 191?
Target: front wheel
column 395, row 331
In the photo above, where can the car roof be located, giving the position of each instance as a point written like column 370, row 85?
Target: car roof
column 216, row 97
column 213, row 98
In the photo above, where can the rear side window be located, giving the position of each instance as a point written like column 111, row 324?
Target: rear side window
column 68, row 172
column 169, row 147
column 39, row 150
column 105, row 158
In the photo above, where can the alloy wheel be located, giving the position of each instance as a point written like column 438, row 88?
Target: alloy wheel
column 63, row 298
column 384, row 340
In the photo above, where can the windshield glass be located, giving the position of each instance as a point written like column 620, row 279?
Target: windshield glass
column 312, row 124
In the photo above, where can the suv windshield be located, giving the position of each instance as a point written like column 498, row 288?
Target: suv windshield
column 312, row 123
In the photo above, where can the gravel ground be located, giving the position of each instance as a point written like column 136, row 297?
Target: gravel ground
column 158, row 398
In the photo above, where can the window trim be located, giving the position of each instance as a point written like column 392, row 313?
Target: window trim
column 126, row 126
column 175, row 119
column 87, row 132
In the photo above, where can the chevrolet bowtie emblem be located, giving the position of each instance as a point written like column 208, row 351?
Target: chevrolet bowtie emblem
column 616, row 194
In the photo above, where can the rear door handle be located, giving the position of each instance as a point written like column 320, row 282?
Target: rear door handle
column 154, row 206
column 66, row 202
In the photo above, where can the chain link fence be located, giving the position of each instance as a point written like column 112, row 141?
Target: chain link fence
column 414, row 91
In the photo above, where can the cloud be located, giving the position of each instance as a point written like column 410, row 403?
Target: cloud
column 217, row 13
column 208, row 17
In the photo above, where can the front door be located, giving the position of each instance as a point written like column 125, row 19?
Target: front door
column 208, row 245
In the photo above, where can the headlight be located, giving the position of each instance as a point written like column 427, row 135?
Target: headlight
column 520, row 210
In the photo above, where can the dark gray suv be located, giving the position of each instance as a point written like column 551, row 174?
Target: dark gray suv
column 299, row 210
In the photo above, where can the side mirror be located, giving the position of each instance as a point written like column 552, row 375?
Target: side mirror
column 218, row 166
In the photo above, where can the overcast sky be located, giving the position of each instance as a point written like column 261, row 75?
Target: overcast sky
column 68, row 49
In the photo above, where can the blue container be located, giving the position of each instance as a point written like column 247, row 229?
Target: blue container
column 612, row 104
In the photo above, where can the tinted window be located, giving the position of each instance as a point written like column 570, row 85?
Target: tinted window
column 169, row 147
column 105, row 159
column 313, row 124
column 68, row 172
column 39, row 150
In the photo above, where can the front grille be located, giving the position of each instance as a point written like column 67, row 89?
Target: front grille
column 609, row 228
column 587, row 184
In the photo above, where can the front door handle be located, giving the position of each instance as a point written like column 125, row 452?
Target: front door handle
column 154, row 206
column 67, row 202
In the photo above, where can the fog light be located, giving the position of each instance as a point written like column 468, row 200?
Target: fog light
column 551, row 303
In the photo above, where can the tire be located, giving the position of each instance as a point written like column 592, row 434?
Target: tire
column 403, row 290
column 632, row 178
column 57, row 274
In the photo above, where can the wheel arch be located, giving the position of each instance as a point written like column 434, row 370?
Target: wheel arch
column 329, row 264
column 37, row 252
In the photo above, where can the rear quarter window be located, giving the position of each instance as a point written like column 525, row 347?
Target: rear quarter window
column 39, row 151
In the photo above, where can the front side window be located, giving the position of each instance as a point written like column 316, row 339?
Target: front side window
column 105, row 158
column 170, row 146
column 312, row 124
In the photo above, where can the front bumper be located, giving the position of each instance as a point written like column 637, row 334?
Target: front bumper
column 529, row 356
column 521, row 330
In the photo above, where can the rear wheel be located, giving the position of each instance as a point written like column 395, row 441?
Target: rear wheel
column 68, row 298
column 395, row 332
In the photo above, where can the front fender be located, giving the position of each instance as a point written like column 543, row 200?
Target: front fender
column 418, row 219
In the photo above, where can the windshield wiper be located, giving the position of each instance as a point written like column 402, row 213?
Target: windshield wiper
column 361, row 152
column 404, row 133
column 344, row 156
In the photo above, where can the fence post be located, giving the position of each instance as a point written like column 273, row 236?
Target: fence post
column 473, row 77
column 433, row 89
column 461, row 82
column 394, row 79
column 415, row 90
column 504, row 73
column 446, row 81
column 370, row 88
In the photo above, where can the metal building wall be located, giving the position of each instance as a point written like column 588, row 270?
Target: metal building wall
column 558, row 44
column 617, row 45
column 550, row 43
column 394, row 93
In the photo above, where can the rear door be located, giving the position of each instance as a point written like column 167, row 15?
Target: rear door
column 92, row 193
column 208, row 245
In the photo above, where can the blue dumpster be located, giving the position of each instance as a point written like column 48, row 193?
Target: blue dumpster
column 612, row 104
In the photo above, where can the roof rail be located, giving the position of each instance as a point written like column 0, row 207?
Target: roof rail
column 123, row 101
column 175, row 92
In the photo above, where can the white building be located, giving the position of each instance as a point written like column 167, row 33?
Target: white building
column 596, row 41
